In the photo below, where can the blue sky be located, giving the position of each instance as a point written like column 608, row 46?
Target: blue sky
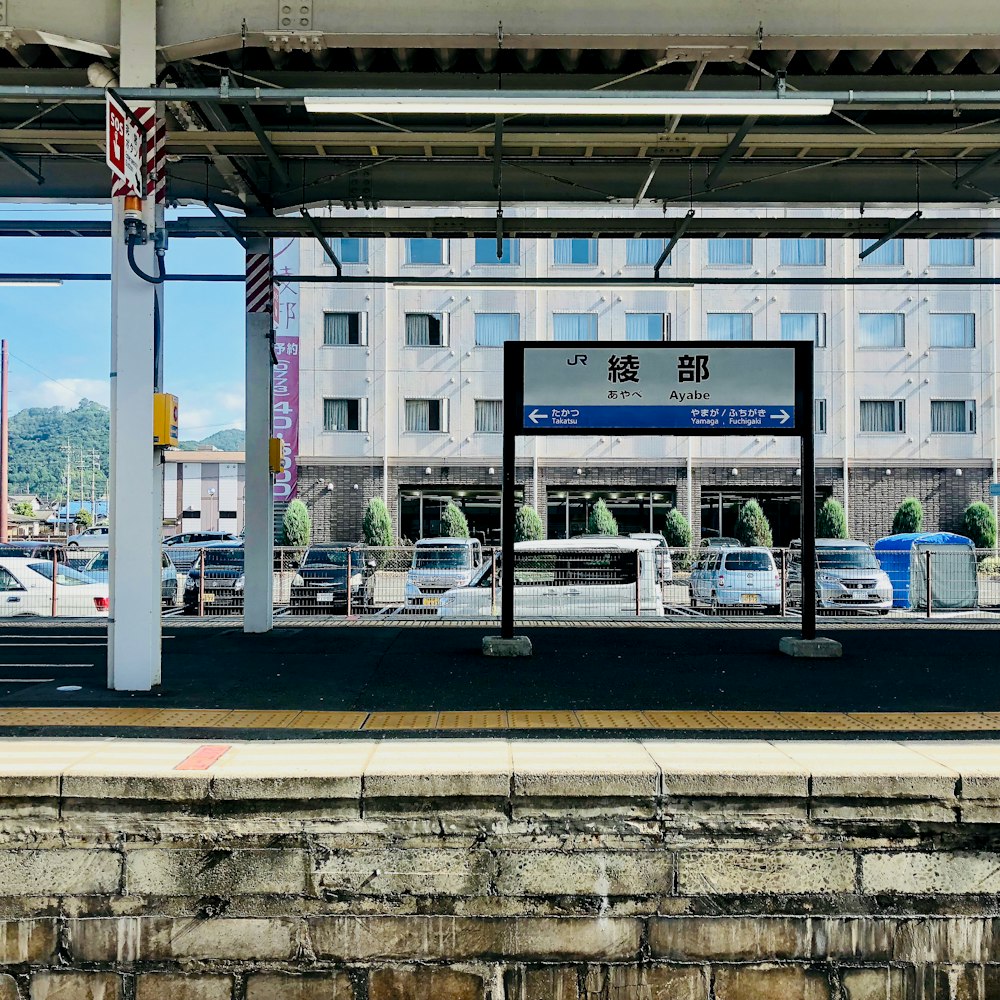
column 60, row 338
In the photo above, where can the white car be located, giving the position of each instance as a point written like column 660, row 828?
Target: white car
column 26, row 589
column 728, row 577
column 90, row 538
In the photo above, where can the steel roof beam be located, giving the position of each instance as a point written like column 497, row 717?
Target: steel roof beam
column 729, row 152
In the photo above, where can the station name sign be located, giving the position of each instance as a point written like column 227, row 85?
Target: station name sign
column 682, row 388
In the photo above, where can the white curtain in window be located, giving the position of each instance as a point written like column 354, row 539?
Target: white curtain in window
column 730, row 326
column 418, row 415
column 948, row 416
column 802, row 253
column 575, row 252
column 726, row 251
column 424, row 251
column 800, row 326
column 495, row 329
column 335, row 414
column 953, row 330
column 878, row 416
column 888, row 255
column 418, row 330
column 953, row 253
column 489, row 416
column 644, row 326
column 349, row 250
column 574, row 326
column 644, row 251
column 881, row 331
column 336, row 329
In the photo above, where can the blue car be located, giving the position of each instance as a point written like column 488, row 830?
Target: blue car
column 97, row 569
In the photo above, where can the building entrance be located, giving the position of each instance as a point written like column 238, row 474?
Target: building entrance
column 420, row 511
column 639, row 510
column 782, row 508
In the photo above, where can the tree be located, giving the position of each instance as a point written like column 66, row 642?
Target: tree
column 980, row 525
column 831, row 521
column 453, row 522
column 601, row 520
column 24, row 509
column 527, row 525
column 296, row 525
column 676, row 530
column 376, row 526
column 752, row 527
column 83, row 518
column 909, row 517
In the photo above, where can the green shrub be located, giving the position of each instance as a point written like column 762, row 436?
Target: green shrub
column 990, row 566
column 83, row 518
column 24, row 509
column 831, row 522
column 376, row 526
column 676, row 530
column 453, row 522
column 601, row 520
column 527, row 525
column 980, row 525
column 296, row 525
column 909, row 517
column 752, row 527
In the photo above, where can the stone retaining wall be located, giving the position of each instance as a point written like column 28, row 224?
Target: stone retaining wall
column 498, row 870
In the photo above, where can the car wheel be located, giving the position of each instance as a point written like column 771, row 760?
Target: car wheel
column 714, row 603
column 75, row 546
column 694, row 600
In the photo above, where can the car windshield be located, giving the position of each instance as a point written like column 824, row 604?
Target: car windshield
column 846, row 558
column 327, row 557
column 442, row 557
column 747, row 560
column 98, row 563
column 224, row 557
column 66, row 576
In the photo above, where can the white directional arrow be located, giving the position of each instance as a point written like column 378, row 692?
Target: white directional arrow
column 783, row 416
column 536, row 415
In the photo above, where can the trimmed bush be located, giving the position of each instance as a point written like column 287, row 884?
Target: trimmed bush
column 453, row 522
column 296, row 525
column 376, row 526
column 831, row 521
column 527, row 525
column 752, row 527
column 601, row 520
column 909, row 517
column 676, row 530
column 83, row 518
column 980, row 525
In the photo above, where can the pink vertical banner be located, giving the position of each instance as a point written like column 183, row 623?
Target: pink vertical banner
column 285, row 398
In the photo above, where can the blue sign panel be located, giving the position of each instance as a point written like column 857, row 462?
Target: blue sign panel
column 995, row 489
column 665, row 417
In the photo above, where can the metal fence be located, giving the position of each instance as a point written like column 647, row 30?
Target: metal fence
column 954, row 582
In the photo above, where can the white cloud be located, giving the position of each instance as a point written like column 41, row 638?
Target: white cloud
column 66, row 392
column 204, row 412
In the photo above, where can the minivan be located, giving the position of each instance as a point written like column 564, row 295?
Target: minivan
column 439, row 565
column 735, row 577
column 848, row 575
column 664, row 564
column 567, row 578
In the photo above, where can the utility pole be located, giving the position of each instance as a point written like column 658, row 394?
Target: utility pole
column 83, row 480
column 93, row 484
column 69, row 483
column 4, row 442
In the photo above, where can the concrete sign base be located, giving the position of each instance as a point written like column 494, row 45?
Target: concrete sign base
column 517, row 645
column 815, row 649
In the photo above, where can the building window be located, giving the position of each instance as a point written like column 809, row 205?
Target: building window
column 574, row 326
column 729, row 326
column 953, row 253
column 348, row 251
column 804, row 326
column 495, row 329
column 819, row 416
column 881, row 331
column 426, row 330
column 730, row 251
column 953, row 330
column 486, row 252
column 345, row 414
column 645, row 326
column 953, row 416
column 644, row 253
column 345, row 329
column 888, row 255
column 883, row 416
column 489, row 416
column 567, row 252
column 803, row 253
column 423, row 251
column 427, row 414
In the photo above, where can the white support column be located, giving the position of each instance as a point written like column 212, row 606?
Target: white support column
column 134, row 493
column 258, row 556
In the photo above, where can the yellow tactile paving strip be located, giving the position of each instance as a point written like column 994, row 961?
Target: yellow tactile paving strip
column 498, row 719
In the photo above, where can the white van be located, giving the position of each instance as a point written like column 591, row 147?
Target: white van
column 568, row 578
column 664, row 564
column 438, row 565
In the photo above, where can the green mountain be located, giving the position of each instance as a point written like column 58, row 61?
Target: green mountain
column 39, row 437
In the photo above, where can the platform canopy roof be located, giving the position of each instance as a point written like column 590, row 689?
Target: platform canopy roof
column 915, row 118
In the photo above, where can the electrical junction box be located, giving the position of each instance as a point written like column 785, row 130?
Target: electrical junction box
column 276, row 454
column 165, row 420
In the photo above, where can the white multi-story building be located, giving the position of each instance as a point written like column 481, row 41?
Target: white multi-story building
column 401, row 385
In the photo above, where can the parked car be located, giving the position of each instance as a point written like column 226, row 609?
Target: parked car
column 322, row 580
column 185, row 548
column 440, row 565
column 32, row 549
column 26, row 589
column 664, row 564
column 847, row 576
column 223, row 587
column 566, row 578
column 721, row 542
column 90, row 538
column 735, row 577
column 97, row 568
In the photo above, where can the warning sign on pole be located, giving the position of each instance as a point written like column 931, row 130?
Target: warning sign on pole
column 125, row 144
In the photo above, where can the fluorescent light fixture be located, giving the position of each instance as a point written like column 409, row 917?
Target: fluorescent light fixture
column 465, row 102
column 30, row 283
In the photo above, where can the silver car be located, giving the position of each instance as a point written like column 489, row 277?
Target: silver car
column 848, row 576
